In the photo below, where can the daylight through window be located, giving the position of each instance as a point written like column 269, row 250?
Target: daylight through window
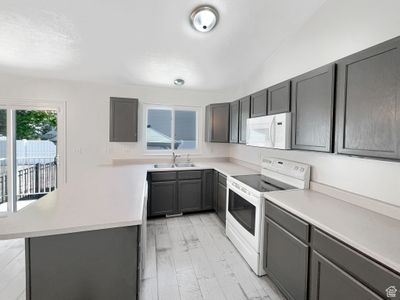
column 170, row 128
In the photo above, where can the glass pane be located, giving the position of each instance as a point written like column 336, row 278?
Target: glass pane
column 243, row 211
column 36, row 154
column 159, row 131
column 185, row 130
column 3, row 160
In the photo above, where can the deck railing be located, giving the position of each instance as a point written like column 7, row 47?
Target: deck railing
column 33, row 181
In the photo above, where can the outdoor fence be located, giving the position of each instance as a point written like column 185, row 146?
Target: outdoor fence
column 33, row 181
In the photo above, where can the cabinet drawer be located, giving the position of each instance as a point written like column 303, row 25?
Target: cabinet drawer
column 222, row 179
column 291, row 223
column 163, row 176
column 357, row 265
column 189, row 175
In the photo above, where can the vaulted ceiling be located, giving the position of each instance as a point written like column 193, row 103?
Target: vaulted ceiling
column 144, row 42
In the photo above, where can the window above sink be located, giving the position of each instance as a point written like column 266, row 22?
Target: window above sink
column 171, row 128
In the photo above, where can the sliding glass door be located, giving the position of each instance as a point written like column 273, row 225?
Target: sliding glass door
column 3, row 162
column 29, row 156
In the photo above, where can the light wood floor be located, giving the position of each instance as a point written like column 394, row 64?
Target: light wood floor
column 187, row 257
column 190, row 257
column 12, row 269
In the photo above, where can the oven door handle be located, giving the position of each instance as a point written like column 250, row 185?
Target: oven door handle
column 249, row 198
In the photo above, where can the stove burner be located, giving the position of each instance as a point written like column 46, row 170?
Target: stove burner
column 262, row 183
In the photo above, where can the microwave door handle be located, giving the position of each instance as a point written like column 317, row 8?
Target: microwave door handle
column 273, row 129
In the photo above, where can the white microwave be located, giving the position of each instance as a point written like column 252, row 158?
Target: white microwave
column 270, row 131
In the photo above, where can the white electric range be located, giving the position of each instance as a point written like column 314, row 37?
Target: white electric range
column 246, row 204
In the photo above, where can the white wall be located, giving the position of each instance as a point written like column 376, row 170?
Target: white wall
column 87, row 122
column 339, row 28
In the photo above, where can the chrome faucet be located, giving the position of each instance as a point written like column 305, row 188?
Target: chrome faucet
column 174, row 157
column 188, row 158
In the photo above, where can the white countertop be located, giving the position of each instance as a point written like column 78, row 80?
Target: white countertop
column 105, row 197
column 376, row 235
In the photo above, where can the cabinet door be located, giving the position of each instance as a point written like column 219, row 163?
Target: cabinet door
column 234, row 122
column 207, row 132
column 329, row 282
column 258, row 104
column 189, row 195
column 312, row 107
column 163, row 198
column 123, row 119
column 215, row 191
column 286, row 260
column 368, row 108
column 208, row 191
column 219, row 122
column 279, row 98
column 244, row 114
column 221, row 210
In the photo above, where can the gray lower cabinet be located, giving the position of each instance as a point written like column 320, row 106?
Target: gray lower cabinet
column 329, row 282
column 163, row 198
column 208, row 189
column 313, row 110
column 258, row 104
column 217, row 123
column 286, row 260
column 335, row 264
column 180, row 192
column 333, row 271
column 99, row 264
column 123, row 119
column 244, row 114
column 279, row 98
column 221, row 197
column 189, row 195
column 368, row 102
column 215, row 191
column 234, row 122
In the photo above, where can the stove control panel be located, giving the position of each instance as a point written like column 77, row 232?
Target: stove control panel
column 287, row 167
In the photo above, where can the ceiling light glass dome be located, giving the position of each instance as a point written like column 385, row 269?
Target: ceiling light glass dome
column 204, row 18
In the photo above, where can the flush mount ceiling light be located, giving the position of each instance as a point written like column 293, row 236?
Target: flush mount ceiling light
column 204, row 18
column 179, row 82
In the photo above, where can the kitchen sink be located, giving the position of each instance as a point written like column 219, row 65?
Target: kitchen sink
column 185, row 165
column 164, row 166
column 177, row 165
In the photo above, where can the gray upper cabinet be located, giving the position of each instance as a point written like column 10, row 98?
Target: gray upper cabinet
column 207, row 127
column 234, row 122
column 244, row 114
column 217, row 123
column 313, row 109
column 258, row 104
column 368, row 102
column 123, row 119
column 279, row 98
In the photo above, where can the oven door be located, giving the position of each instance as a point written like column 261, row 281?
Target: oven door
column 244, row 213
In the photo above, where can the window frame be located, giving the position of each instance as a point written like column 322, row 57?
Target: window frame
column 11, row 106
column 172, row 108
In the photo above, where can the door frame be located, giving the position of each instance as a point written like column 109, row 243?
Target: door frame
column 11, row 105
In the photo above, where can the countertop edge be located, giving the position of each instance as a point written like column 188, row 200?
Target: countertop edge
column 376, row 256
